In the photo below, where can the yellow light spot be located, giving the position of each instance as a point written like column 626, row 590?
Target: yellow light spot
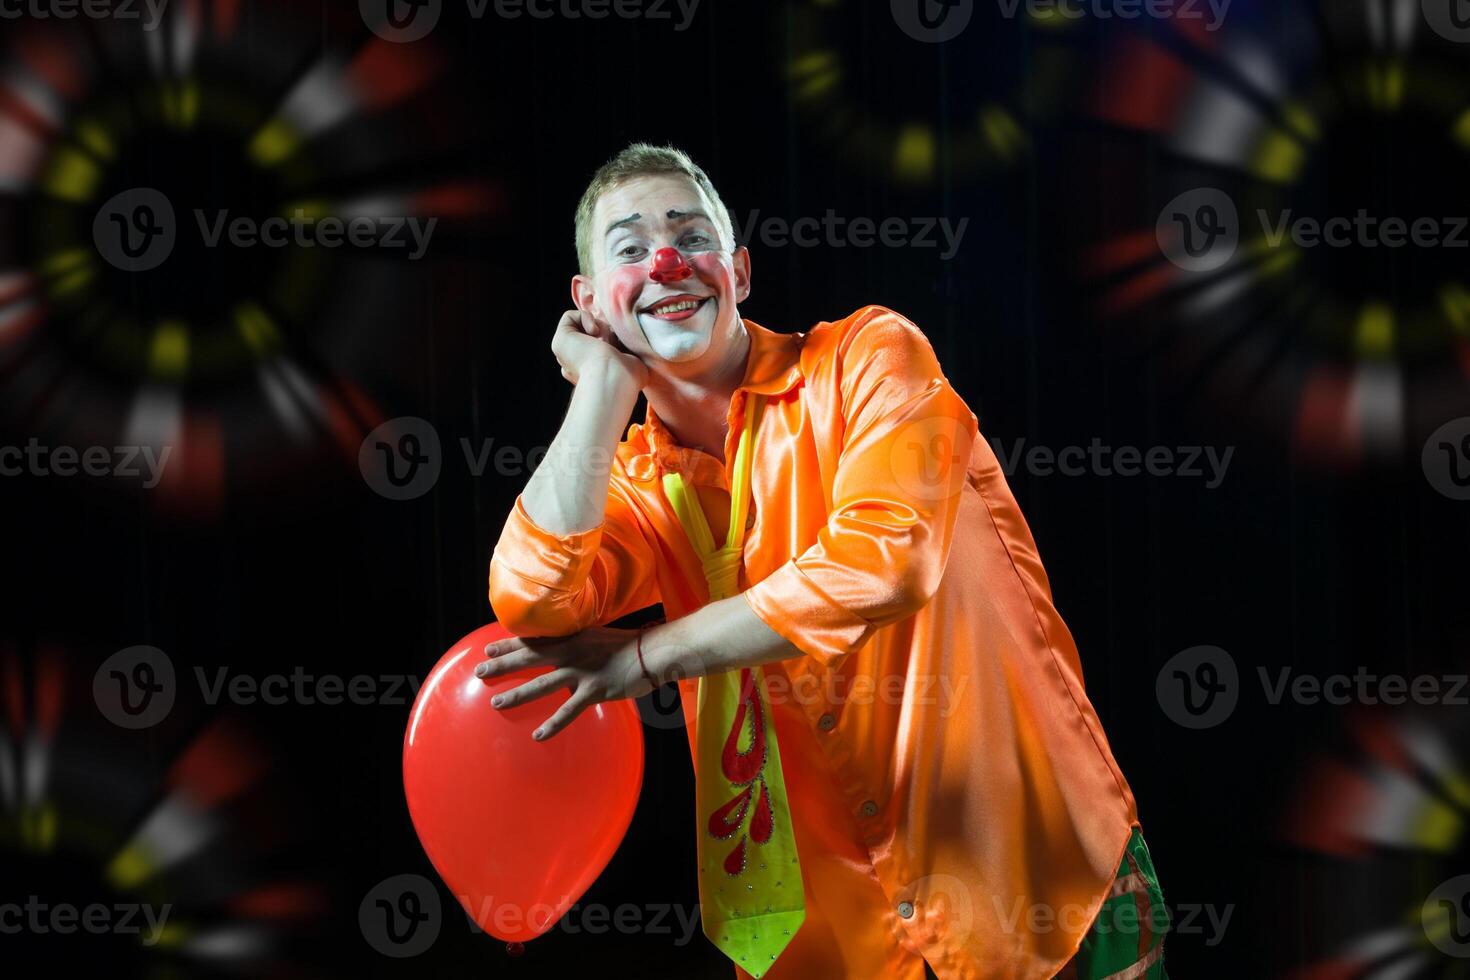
column 1462, row 130
column 1456, row 302
column 72, row 176
column 1299, row 118
column 169, row 356
column 256, row 328
column 1279, row 157
column 38, row 827
column 1386, row 85
column 307, row 210
column 273, row 143
column 1437, row 828
column 72, row 283
column 814, row 75
column 1375, row 330
column 170, row 935
column 1281, row 260
column 91, row 135
column 130, row 868
column 180, row 102
column 64, row 262
column 1458, row 789
column 1003, row 132
column 914, row 154
column 1051, row 17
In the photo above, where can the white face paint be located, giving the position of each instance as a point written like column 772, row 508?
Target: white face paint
column 635, row 220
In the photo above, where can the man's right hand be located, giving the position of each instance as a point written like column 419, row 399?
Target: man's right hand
column 583, row 344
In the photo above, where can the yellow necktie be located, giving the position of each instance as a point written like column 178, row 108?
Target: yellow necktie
column 750, row 893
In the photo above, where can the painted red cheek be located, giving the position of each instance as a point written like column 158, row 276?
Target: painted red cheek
column 623, row 284
column 709, row 265
column 669, row 266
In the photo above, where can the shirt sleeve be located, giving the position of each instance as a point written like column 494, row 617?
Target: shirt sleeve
column 895, row 497
column 546, row 584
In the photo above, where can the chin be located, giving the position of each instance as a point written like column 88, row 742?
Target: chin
column 678, row 350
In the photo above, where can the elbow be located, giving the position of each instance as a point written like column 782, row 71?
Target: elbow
column 911, row 587
column 918, row 585
column 526, row 608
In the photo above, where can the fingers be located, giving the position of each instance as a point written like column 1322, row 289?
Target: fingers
column 504, row 646
column 531, row 690
column 562, row 717
column 510, row 662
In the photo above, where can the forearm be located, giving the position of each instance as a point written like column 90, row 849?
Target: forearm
column 724, row 635
column 568, row 492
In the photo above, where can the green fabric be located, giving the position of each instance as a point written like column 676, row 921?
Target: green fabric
column 1112, row 945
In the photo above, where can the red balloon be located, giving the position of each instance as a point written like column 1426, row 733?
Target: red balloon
column 518, row 829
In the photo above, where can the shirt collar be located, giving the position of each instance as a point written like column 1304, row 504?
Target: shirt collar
column 774, row 364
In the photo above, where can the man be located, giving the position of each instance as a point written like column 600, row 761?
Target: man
column 883, row 704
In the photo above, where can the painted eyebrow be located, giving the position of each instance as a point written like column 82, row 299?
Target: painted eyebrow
column 673, row 214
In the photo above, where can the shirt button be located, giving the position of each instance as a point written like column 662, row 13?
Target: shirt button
column 826, row 723
column 906, row 909
column 870, row 809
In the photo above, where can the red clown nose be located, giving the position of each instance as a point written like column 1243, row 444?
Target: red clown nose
column 669, row 266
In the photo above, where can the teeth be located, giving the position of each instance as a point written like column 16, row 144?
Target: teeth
column 675, row 307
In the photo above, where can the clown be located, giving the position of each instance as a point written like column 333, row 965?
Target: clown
column 828, row 534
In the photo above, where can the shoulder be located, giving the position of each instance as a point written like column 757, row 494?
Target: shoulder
column 873, row 336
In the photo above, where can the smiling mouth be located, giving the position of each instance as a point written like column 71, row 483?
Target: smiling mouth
column 674, row 310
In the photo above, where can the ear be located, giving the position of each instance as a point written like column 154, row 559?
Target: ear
column 741, row 258
column 584, row 297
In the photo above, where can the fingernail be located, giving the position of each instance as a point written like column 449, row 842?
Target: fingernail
column 536, row 734
column 497, row 701
column 482, row 670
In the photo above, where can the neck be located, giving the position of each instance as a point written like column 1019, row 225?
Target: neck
column 693, row 404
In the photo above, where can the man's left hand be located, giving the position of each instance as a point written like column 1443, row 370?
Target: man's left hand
column 597, row 664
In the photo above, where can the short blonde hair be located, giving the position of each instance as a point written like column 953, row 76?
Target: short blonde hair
column 644, row 160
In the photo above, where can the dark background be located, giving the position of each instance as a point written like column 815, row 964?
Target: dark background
column 1319, row 553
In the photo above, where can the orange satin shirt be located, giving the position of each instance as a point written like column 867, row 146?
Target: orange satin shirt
column 953, row 794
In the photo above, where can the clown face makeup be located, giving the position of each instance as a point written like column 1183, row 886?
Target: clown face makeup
column 664, row 281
